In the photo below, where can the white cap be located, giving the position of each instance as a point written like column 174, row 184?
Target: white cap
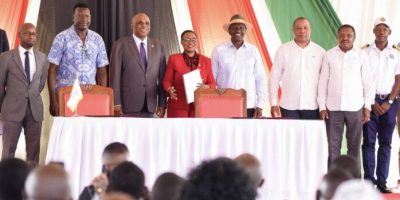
column 381, row 20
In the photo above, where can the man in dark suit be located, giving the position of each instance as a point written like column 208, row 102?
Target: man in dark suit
column 23, row 73
column 137, row 70
column 3, row 41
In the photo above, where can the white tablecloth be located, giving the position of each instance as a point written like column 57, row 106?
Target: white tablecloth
column 293, row 153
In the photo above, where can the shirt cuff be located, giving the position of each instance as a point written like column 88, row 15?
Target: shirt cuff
column 273, row 102
column 322, row 107
column 367, row 105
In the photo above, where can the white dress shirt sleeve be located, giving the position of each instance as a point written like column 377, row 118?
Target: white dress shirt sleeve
column 261, row 81
column 368, row 85
column 215, row 64
column 275, row 78
column 323, row 83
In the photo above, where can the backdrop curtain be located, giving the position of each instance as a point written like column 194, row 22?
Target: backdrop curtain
column 12, row 15
column 324, row 21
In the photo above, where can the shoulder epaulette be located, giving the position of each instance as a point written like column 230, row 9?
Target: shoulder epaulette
column 365, row 46
column 397, row 47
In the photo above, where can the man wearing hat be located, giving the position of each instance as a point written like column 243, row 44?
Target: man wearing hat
column 297, row 65
column 237, row 64
column 385, row 66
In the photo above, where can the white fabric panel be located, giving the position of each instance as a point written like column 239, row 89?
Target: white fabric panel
column 293, row 153
column 267, row 27
column 32, row 11
column 362, row 14
column 182, row 18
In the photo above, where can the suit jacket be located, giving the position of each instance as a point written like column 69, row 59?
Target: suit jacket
column 176, row 68
column 15, row 91
column 130, row 81
column 3, row 41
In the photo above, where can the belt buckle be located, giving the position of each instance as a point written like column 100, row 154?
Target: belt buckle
column 382, row 96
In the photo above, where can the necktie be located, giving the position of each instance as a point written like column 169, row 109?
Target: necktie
column 27, row 67
column 143, row 55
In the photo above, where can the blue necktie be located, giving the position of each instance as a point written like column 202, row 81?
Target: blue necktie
column 27, row 68
column 143, row 55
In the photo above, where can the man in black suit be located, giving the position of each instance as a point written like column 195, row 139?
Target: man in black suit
column 3, row 41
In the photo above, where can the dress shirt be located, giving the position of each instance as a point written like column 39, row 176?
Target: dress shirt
column 298, row 70
column 76, row 58
column 345, row 82
column 138, row 42
column 241, row 68
column 32, row 61
column 385, row 66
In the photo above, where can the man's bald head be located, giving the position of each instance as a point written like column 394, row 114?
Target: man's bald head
column 48, row 182
column 252, row 167
column 27, row 35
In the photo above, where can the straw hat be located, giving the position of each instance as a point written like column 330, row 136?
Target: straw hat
column 237, row 19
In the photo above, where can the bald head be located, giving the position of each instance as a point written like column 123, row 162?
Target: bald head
column 140, row 25
column 27, row 35
column 48, row 182
column 252, row 167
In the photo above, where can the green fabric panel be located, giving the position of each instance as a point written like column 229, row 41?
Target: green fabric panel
column 323, row 18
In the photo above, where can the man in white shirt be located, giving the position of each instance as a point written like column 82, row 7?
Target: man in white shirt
column 345, row 93
column 297, row 65
column 238, row 64
column 385, row 64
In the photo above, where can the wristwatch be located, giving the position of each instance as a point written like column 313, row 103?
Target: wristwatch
column 390, row 101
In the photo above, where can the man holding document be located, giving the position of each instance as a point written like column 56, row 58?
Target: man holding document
column 192, row 64
column 237, row 64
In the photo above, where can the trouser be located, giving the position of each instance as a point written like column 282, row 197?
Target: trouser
column 299, row 114
column 32, row 130
column 380, row 127
column 335, row 126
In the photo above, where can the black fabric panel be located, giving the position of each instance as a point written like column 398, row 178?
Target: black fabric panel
column 112, row 19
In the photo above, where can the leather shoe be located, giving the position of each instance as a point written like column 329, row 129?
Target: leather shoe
column 383, row 189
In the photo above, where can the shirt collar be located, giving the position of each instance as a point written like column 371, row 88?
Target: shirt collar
column 338, row 49
column 22, row 50
column 230, row 43
column 138, row 41
column 373, row 45
column 72, row 29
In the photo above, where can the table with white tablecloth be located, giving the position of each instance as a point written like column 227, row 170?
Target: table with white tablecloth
column 293, row 153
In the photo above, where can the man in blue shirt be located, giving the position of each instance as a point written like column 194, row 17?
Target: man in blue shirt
column 76, row 52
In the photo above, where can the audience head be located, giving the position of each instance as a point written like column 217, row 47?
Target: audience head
column 168, row 186
column 114, row 154
column 252, row 166
column 127, row 178
column 140, row 25
column 330, row 182
column 217, row 179
column 49, row 182
column 81, row 17
column 116, row 196
column 13, row 173
column 348, row 164
column 356, row 189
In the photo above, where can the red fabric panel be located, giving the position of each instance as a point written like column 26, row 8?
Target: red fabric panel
column 208, row 17
column 91, row 105
column 220, row 107
column 12, row 15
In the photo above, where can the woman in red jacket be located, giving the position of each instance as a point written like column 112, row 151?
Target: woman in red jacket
column 180, row 64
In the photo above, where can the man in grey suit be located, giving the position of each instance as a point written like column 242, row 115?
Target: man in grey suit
column 137, row 70
column 23, row 73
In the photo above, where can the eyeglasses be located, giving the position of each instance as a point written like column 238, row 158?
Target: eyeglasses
column 187, row 40
column 29, row 34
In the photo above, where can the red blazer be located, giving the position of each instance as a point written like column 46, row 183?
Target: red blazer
column 176, row 67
